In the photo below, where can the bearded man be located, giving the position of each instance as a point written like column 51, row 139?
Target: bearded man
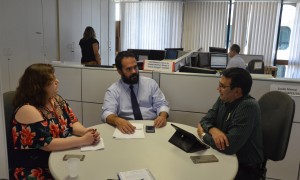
column 133, row 97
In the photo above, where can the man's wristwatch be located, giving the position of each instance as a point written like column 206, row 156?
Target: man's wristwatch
column 203, row 134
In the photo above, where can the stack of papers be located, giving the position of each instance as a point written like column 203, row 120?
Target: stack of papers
column 100, row 145
column 138, row 134
column 139, row 174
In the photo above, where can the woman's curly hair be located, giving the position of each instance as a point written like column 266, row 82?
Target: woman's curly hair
column 32, row 85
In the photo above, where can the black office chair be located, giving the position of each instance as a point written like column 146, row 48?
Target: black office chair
column 277, row 114
column 256, row 66
column 8, row 112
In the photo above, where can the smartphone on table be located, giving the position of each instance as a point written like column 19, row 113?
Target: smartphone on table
column 150, row 129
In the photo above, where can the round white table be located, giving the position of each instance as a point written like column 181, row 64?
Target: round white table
column 154, row 152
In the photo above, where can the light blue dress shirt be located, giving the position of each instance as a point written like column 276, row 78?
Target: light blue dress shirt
column 150, row 98
column 236, row 61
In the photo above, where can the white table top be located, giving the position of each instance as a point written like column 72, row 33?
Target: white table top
column 154, row 152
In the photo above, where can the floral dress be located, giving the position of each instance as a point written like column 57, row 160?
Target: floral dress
column 29, row 161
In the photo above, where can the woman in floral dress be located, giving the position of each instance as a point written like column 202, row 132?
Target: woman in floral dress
column 43, row 122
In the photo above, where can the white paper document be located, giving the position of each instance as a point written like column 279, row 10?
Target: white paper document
column 138, row 133
column 100, row 145
column 138, row 174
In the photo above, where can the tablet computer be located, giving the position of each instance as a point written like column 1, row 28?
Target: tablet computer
column 186, row 140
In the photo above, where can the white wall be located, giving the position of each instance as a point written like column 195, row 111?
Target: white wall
column 49, row 30
column 3, row 151
column 29, row 33
column 21, row 43
column 75, row 15
column 70, row 29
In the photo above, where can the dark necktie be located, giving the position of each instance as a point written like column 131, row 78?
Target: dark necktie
column 135, row 106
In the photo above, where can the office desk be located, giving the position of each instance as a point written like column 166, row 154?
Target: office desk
column 164, row 160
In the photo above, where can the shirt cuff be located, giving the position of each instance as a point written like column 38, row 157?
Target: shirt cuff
column 105, row 115
column 206, row 129
column 203, row 134
column 164, row 109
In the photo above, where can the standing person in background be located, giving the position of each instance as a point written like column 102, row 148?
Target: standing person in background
column 43, row 122
column 235, row 59
column 89, row 47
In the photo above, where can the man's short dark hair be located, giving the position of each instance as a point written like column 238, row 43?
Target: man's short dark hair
column 239, row 78
column 120, row 56
column 235, row 48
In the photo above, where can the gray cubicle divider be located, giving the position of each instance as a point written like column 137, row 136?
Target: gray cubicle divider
column 189, row 92
column 95, row 83
column 183, row 60
column 197, row 92
column 190, row 96
column 70, row 82
column 70, row 87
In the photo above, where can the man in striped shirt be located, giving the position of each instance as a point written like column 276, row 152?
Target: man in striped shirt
column 233, row 124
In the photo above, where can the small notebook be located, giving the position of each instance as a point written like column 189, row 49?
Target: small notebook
column 138, row 174
column 100, row 145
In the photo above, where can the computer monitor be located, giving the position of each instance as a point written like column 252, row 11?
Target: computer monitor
column 195, row 59
column 217, row 50
column 188, row 60
column 97, row 65
column 172, row 53
column 218, row 61
column 156, row 55
column 140, row 54
column 204, row 59
column 139, row 51
column 142, row 57
column 197, row 70
column 140, row 65
column 178, row 49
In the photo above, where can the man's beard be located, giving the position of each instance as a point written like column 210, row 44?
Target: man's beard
column 133, row 79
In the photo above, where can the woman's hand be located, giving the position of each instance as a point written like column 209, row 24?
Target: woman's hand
column 96, row 135
column 91, row 137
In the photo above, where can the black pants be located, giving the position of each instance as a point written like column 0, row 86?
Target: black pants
column 249, row 172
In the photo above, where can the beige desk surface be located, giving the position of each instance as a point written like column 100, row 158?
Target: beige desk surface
column 164, row 160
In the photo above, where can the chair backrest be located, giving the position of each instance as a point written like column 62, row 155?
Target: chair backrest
column 256, row 66
column 277, row 114
column 8, row 112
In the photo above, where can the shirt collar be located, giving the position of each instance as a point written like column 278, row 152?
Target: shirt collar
column 126, row 86
column 237, row 101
